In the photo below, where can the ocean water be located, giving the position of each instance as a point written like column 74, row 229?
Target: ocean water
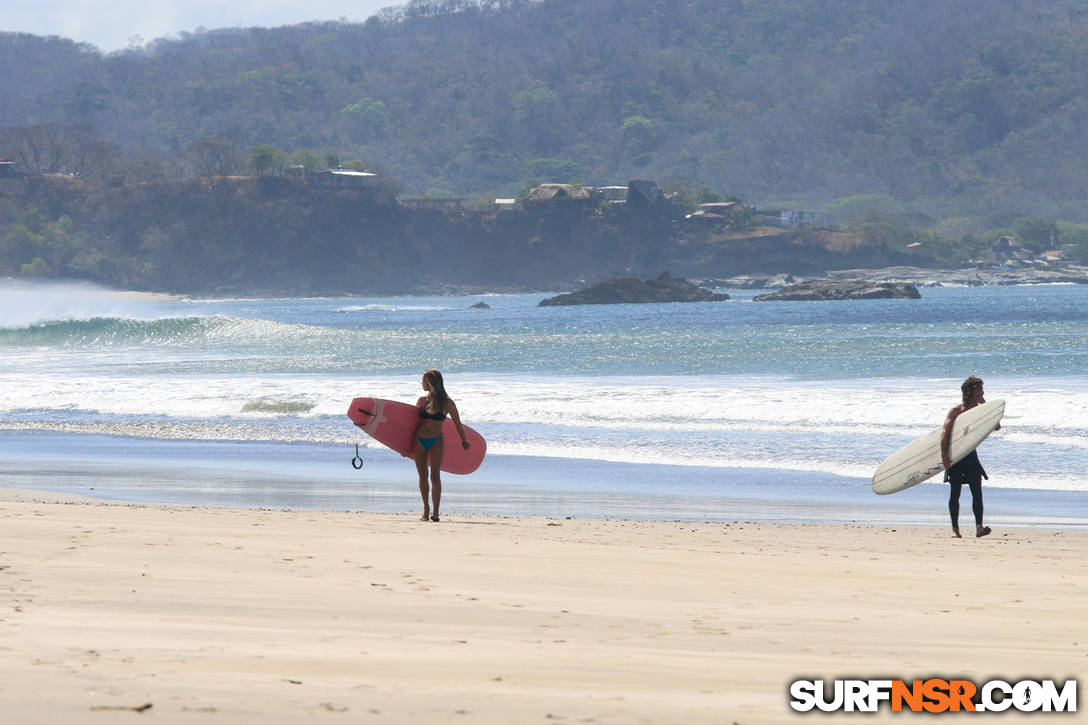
column 729, row 410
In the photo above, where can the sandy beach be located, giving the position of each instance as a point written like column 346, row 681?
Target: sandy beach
column 217, row 615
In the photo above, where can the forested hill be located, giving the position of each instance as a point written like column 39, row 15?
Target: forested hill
column 970, row 104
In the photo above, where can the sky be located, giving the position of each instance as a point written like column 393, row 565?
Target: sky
column 111, row 24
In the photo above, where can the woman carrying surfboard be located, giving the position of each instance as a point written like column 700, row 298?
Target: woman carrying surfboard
column 428, row 444
column 968, row 470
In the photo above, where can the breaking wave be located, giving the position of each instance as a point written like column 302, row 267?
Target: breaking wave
column 199, row 331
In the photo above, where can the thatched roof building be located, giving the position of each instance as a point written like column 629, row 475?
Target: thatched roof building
column 559, row 193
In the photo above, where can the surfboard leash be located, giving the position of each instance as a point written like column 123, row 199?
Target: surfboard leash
column 357, row 462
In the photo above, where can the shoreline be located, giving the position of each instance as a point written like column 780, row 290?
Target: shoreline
column 256, row 475
column 271, row 616
column 929, row 515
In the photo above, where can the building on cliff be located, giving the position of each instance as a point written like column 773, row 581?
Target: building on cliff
column 344, row 179
column 559, row 194
column 9, row 169
column 715, row 211
column 612, row 194
column 1009, row 252
column 797, row 217
column 643, row 194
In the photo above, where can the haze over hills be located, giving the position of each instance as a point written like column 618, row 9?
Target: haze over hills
column 929, row 135
column 958, row 107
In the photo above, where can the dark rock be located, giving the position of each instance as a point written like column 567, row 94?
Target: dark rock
column 480, row 306
column 626, row 290
column 842, row 290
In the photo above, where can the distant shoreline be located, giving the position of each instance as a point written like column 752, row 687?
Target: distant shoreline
column 918, row 276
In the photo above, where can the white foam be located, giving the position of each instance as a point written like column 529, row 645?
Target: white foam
column 712, row 421
column 25, row 303
column 385, row 307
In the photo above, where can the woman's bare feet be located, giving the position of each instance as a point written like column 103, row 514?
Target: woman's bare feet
column 956, row 533
column 982, row 531
column 426, row 516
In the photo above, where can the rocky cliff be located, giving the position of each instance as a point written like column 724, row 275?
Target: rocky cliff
column 281, row 236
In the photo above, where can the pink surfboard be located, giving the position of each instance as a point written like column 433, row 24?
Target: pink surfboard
column 394, row 424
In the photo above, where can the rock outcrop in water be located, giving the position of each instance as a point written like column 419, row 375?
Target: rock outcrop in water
column 627, row 290
column 842, row 290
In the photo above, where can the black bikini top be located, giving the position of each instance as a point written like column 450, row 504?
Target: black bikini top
column 432, row 416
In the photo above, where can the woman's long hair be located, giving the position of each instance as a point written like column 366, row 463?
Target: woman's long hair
column 439, row 398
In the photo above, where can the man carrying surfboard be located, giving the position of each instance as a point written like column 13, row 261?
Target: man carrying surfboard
column 968, row 469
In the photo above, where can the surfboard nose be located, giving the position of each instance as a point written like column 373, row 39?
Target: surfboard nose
column 361, row 411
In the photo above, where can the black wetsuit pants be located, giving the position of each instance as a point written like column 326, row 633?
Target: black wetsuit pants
column 971, row 472
column 954, row 502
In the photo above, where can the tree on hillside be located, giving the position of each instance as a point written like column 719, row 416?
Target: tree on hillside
column 1036, row 232
column 554, row 170
column 306, row 160
column 217, row 155
column 537, row 111
column 367, row 118
column 977, row 102
column 267, row 160
column 638, row 133
column 42, row 148
column 51, row 148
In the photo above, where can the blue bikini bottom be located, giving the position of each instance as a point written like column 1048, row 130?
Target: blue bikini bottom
column 428, row 443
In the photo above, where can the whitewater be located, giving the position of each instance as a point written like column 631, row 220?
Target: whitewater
column 776, row 411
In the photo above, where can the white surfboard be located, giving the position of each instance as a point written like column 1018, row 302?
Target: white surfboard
column 921, row 459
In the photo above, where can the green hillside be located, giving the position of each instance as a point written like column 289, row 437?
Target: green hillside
column 960, row 107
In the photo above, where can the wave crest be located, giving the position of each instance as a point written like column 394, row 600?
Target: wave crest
column 278, row 407
column 113, row 331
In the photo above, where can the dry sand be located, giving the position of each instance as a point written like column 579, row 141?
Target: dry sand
column 239, row 616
